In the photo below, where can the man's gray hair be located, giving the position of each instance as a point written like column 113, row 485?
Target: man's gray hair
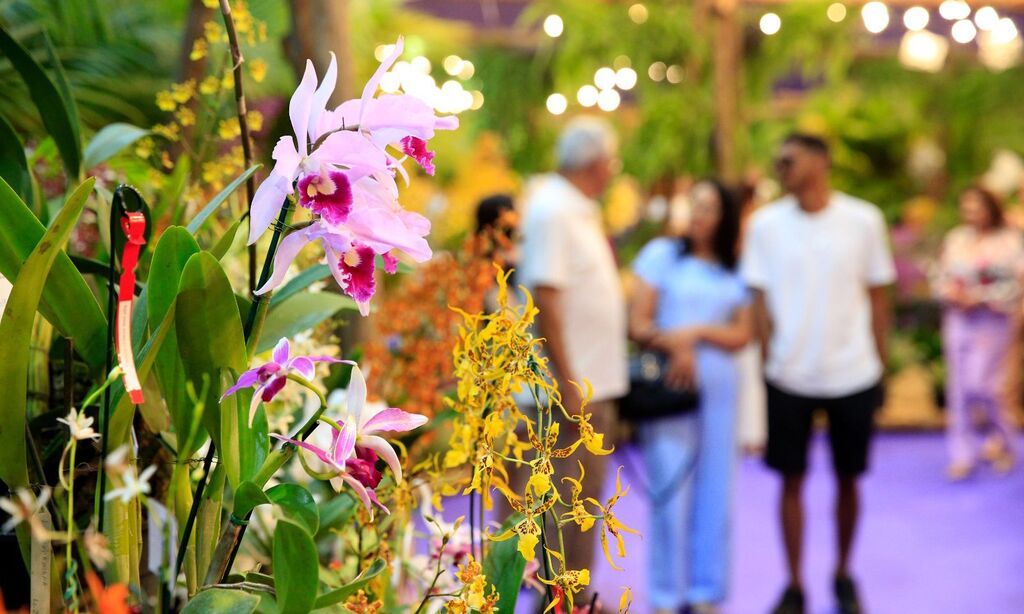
column 584, row 141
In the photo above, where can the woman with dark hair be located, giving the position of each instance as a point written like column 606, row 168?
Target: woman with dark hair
column 689, row 303
column 980, row 282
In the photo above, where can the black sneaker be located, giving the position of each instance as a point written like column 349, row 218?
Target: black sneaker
column 846, row 595
column 792, row 602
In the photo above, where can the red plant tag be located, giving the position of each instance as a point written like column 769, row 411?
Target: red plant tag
column 134, row 225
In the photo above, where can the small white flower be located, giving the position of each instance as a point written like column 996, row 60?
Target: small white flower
column 25, row 508
column 79, row 425
column 133, row 485
column 97, row 546
column 117, row 460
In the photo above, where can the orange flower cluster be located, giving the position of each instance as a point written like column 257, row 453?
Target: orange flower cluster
column 415, row 329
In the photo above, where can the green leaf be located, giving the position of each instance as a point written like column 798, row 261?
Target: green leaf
column 16, row 331
column 247, row 496
column 222, row 601
column 210, row 341
column 67, row 303
column 109, row 141
column 299, row 313
column 58, row 115
column 172, row 252
column 218, row 200
column 504, row 565
column 226, row 241
column 334, row 513
column 297, row 504
column 13, row 164
column 296, row 568
column 339, row 595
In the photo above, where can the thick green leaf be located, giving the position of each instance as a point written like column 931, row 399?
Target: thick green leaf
column 174, row 249
column 13, row 164
column 300, row 313
column 295, row 568
column 222, row 601
column 297, row 504
column 504, row 565
column 218, row 200
column 334, row 513
column 109, row 142
column 210, row 341
column 58, row 114
column 339, row 595
column 247, row 496
column 16, row 331
column 67, row 303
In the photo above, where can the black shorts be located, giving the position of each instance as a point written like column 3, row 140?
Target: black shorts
column 850, row 424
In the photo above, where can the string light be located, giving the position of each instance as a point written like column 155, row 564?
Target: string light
column 467, row 70
column 638, row 13
column 916, row 18
column 553, row 26
column 963, row 31
column 390, row 83
column 875, row 16
column 478, row 100
column 1004, row 31
column 770, row 23
column 923, row 50
column 953, row 10
column 621, row 61
column 383, row 51
column 557, row 104
column 604, row 78
column 625, row 78
column 421, row 64
column 674, row 74
column 452, row 65
column 986, row 18
column 608, row 100
column 656, row 71
column 587, row 95
column 836, row 12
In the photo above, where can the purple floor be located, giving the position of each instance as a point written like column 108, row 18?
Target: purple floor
column 926, row 546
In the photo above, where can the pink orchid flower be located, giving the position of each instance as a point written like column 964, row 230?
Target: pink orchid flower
column 269, row 378
column 356, row 447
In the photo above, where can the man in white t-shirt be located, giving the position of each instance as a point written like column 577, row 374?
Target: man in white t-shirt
column 819, row 263
column 567, row 262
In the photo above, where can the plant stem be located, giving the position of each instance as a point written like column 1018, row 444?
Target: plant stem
column 243, row 124
column 71, row 505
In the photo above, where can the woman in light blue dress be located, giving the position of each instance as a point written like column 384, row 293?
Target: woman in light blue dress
column 690, row 304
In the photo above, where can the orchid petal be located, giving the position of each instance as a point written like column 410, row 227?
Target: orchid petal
column 268, row 200
column 383, row 450
column 387, row 229
column 272, row 387
column 254, row 406
column 371, row 86
column 393, row 420
column 288, row 249
column 320, row 98
column 352, row 150
column 360, row 491
column 304, row 366
column 356, row 396
column 319, row 452
column 299, row 106
column 344, row 444
column 280, row 353
column 245, row 380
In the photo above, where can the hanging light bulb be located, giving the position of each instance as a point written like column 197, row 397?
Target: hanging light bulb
column 557, row 104
column 963, row 31
column 986, row 18
column 836, row 12
column 875, row 16
column 587, row 95
column 553, row 26
column 916, row 18
column 604, row 78
column 608, row 100
column 770, row 23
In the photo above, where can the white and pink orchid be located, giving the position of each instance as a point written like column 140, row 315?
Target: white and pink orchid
column 356, row 444
column 340, row 164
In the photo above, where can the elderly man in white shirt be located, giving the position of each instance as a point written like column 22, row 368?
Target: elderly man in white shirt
column 568, row 264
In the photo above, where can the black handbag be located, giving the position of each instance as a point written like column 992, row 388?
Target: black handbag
column 649, row 398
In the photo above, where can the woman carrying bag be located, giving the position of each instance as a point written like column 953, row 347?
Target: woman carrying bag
column 691, row 309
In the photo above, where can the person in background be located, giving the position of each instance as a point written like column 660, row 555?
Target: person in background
column 980, row 276
column 567, row 263
column 689, row 303
column 752, row 416
column 820, row 265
